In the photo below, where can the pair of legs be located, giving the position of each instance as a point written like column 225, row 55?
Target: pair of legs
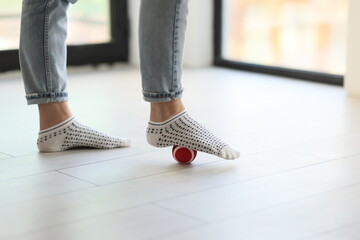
column 43, row 56
column 162, row 35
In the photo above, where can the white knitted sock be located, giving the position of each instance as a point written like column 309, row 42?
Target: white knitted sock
column 184, row 131
column 71, row 134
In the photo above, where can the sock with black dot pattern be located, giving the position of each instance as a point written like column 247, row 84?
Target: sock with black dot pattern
column 71, row 134
column 184, row 131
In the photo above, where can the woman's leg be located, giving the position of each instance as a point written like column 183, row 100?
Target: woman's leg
column 162, row 36
column 43, row 65
column 43, row 58
column 161, row 39
column 43, row 50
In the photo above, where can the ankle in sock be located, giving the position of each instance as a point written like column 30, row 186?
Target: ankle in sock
column 184, row 131
column 71, row 134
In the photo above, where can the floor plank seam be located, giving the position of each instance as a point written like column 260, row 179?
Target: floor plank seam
column 349, row 156
column 25, row 176
column 308, row 154
column 78, row 178
column 176, row 232
column 284, row 203
column 201, row 221
column 244, row 181
column 331, row 230
column 317, row 156
column 110, row 159
column 323, row 139
column 155, row 174
column 10, row 156
column 47, row 197
column 59, row 169
column 80, row 219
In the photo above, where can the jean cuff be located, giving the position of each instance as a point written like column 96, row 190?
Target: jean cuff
column 40, row 98
column 162, row 97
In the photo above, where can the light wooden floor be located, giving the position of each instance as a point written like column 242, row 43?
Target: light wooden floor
column 298, row 177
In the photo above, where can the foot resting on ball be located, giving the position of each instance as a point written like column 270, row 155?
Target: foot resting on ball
column 184, row 131
column 71, row 134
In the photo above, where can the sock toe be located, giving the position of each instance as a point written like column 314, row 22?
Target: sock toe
column 229, row 153
column 125, row 142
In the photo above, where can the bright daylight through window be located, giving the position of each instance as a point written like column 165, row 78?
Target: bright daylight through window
column 89, row 23
column 298, row 34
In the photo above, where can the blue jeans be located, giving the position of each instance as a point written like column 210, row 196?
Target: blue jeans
column 43, row 49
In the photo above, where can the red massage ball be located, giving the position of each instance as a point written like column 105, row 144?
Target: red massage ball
column 183, row 155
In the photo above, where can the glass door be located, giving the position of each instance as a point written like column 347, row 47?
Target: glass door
column 296, row 38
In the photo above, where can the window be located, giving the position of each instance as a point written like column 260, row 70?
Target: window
column 296, row 38
column 89, row 22
column 98, row 32
column 9, row 24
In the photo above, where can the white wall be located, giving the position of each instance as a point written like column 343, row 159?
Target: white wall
column 199, row 36
column 352, row 78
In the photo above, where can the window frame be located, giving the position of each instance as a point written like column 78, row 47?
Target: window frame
column 273, row 70
column 117, row 50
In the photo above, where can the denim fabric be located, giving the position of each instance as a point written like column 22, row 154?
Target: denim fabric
column 161, row 41
column 43, row 49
